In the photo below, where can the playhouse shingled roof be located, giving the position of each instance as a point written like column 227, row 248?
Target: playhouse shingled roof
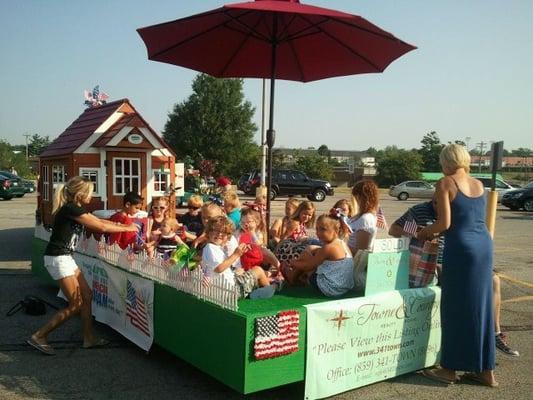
column 87, row 123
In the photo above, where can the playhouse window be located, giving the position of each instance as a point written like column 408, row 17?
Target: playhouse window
column 92, row 175
column 45, row 183
column 58, row 174
column 161, row 180
column 126, row 175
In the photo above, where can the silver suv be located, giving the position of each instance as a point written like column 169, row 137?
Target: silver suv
column 501, row 187
column 408, row 189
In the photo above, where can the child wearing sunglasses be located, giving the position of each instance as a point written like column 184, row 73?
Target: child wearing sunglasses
column 192, row 219
column 158, row 212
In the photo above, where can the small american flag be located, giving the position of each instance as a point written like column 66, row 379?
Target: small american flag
column 136, row 309
column 100, row 247
column 206, row 280
column 410, row 227
column 184, row 273
column 276, row 335
column 130, row 256
column 381, row 221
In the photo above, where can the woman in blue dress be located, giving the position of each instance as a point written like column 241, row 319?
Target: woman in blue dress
column 466, row 305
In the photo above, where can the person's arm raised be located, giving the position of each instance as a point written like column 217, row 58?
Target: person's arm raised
column 396, row 230
column 101, row 225
column 444, row 213
column 228, row 262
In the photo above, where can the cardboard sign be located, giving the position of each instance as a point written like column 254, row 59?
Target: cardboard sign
column 387, row 271
column 391, row 245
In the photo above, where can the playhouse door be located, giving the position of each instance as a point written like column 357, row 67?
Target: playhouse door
column 125, row 172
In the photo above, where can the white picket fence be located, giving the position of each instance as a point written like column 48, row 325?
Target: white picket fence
column 214, row 289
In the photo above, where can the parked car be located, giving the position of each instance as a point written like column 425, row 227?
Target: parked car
column 407, row 189
column 287, row 182
column 29, row 186
column 519, row 198
column 16, row 182
column 10, row 189
column 244, row 183
column 501, row 187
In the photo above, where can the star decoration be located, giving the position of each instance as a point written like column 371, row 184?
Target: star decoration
column 339, row 319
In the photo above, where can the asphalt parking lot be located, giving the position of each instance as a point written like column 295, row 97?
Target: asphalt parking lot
column 122, row 371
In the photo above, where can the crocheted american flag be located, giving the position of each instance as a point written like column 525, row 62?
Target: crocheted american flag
column 276, row 335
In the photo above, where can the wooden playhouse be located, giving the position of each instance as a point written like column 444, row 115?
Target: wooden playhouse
column 113, row 146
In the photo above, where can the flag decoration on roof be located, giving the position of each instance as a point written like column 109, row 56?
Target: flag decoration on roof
column 410, row 227
column 276, row 335
column 381, row 221
column 95, row 98
column 136, row 309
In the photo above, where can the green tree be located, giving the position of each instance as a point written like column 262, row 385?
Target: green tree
column 521, row 152
column 397, row 165
column 279, row 160
column 371, row 152
column 6, row 155
column 215, row 123
column 430, row 151
column 314, row 166
column 8, row 159
column 37, row 144
column 324, row 151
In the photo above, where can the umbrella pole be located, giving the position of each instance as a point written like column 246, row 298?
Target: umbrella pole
column 271, row 137
column 271, row 134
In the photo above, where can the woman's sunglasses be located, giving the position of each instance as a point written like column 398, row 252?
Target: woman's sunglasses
column 158, row 208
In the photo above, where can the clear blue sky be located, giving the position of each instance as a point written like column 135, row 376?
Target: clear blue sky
column 470, row 77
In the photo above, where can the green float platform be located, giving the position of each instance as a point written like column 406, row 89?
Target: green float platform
column 216, row 340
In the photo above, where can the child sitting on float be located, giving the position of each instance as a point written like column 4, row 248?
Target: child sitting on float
column 252, row 232
column 302, row 219
column 217, row 260
column 158, row 212
column 208, row 211
column 192, row 219
column 132, row 206
column 279, row 226
column 295, row 240
column 328, row 268
column 232, row 207
column 168, row 239
column 346, row 207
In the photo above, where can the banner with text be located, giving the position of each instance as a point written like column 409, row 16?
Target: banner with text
column 355, row 342
column 121, row 300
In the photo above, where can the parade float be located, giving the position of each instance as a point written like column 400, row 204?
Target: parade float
column 252, row 345
column 249, row 345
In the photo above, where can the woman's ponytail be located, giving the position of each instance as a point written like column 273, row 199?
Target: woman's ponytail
column 75, row 190
column 60, row 198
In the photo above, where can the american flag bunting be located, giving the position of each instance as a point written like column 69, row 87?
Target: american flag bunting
column 381, row 222
column 136, row 309
column 276, row 335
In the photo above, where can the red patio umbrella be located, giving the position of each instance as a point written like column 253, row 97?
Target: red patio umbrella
column 274, row 39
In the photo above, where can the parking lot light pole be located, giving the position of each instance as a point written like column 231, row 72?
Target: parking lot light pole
column 26, row 135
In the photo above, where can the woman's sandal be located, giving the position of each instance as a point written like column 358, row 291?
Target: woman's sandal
column 473, row 377
column 434, row 376
column 43, row 348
